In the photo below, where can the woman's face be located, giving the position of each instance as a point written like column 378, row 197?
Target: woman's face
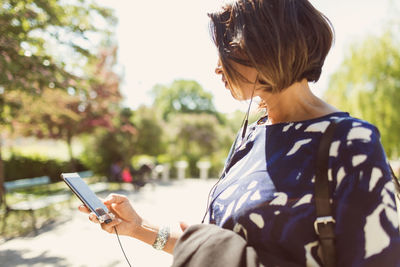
column 243, row 90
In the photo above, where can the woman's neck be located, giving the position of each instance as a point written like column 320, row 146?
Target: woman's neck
column 295, row 103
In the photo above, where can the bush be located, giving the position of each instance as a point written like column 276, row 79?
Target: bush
column 19, row 167
column 103, row 148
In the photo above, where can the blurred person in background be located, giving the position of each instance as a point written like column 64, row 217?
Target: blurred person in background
column 116, row 171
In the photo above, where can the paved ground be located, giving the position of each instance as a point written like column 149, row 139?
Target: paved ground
column 75, row 241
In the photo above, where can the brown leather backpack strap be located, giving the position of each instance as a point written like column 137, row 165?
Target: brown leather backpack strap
column 395, row 181
column 325, row 223
column 397, row 191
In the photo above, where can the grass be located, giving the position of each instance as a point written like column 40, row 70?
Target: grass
column 54, row 149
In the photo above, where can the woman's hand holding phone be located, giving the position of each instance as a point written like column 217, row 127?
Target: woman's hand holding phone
column 127, row 219
column 129, row 223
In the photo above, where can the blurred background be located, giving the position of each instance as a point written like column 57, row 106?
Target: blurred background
column 124, row 92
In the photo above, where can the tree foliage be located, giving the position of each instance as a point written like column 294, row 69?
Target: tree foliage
column 59, row 114
column 43, row 46
column 44, row 42
column 104, row 147
column 150, row 127
column 182, row 96
column 193, row 137
column 367, row 84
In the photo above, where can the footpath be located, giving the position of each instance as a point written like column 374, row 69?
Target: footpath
column 73, row 241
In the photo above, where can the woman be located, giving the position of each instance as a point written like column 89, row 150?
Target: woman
column 264, row 203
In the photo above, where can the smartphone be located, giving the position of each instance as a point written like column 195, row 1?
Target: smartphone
column 87, row 196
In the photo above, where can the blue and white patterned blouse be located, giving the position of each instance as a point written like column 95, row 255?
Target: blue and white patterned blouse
column 266, row 194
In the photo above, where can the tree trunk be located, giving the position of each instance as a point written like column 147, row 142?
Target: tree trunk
column 2, row 188
column 71, row 155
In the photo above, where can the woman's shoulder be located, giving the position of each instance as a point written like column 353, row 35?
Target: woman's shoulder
column 346, row 123
column 357, row 145
column 350, row 129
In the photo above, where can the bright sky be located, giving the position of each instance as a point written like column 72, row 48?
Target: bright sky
column 160, row 41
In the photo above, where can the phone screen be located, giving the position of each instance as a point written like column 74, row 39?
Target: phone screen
column 86, row 195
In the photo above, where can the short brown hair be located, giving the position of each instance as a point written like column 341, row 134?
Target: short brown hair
column 285, row 40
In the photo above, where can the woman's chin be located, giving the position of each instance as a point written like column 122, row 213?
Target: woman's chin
column 235, row 96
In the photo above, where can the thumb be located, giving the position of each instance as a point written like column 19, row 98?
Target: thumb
column 183, row 226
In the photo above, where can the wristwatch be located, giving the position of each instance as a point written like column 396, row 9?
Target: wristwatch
column 162, row 238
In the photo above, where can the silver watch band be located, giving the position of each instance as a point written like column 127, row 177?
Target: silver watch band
column 162, row 238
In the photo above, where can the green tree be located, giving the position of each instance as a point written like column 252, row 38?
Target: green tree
column 367, row 84
column 43, row 44
column 104, row 147
column 196, row 136
column 150, row 127
column 58, row 114
column 182, row 96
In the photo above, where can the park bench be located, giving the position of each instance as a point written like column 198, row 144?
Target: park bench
column 31, row 203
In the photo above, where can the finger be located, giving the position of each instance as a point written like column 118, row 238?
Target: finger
column 93, row 218
column 183, row 226
column 124, row 210
column 84, row 209
column 115, row 198
column 109, row 227
column 116, row 207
